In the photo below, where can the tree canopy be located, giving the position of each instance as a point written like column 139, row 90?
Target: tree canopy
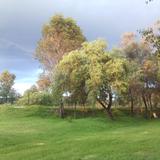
column 6, row 84
column 60, row 36
column 90, row 72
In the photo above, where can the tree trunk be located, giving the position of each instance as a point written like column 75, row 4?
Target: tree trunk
column 151, row 106
column 84, row 110
column 146, row 106
column 132, row 105
column 110, row 114
column 108, row 107
column 62, row 110
column 6, row 99
column 75, row 110
column 132, row 111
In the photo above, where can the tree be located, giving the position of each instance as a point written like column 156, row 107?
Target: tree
column 151, row 67
column 133, row 49
column 142, row 69
column 59, row 37
column 90, row 72
column 32, row 89
column 152, row 36
column 29, row 92
column 151, row 83
column 136, row 52
column 6, row 84
column 70, row 77
column 13, row 96
column 44, row 82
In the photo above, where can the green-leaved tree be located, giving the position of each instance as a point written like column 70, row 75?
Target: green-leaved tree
column 60, row 36
column 6, row 84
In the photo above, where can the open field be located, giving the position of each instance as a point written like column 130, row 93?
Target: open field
column 33, row 133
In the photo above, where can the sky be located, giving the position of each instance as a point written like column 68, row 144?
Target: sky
column 21, row 22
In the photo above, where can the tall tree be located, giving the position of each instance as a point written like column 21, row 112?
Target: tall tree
column 90, row 72
column 6, row 84
column 60, row 36
column 136, row 52
column 143, row 68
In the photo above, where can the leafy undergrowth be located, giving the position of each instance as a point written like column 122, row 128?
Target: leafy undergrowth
column 34, row 133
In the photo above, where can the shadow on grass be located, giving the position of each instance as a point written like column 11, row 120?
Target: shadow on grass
column 120, row 115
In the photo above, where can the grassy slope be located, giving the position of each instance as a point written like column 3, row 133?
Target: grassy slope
column 29, row 134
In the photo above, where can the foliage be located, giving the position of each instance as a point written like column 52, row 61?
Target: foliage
column 44, row 82
column 60, row 36
column 90, row 71
column 6, row 84
column 152, row 36
column 142, row 71
column 36, row 98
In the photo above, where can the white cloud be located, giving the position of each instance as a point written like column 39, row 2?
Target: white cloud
column 21, row 87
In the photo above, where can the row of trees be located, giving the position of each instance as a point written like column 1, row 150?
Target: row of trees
column 87, row 72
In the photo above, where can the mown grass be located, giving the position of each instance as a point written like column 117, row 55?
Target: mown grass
column 34, row 133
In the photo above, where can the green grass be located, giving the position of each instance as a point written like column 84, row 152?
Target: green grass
column 33, row 133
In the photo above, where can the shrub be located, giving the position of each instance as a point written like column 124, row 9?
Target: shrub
column 36, row 98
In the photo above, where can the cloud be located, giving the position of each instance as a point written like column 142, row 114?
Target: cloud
column 22, row 86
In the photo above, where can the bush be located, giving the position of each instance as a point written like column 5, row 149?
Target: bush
column 36, row 98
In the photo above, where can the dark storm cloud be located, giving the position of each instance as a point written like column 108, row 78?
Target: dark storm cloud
column 21, row 22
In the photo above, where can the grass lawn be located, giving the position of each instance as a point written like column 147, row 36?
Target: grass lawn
column 32, row 133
